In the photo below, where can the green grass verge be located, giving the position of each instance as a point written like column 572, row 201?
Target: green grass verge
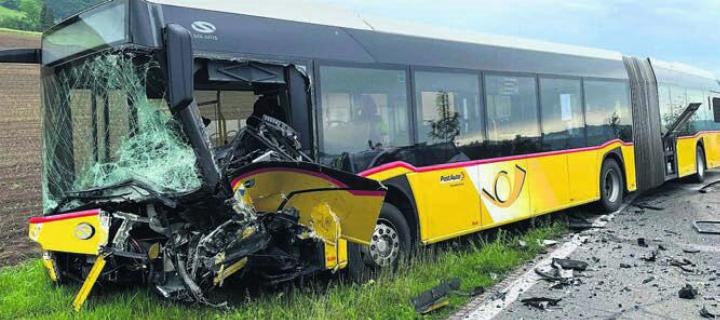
column 26, row 292
column 20, row 33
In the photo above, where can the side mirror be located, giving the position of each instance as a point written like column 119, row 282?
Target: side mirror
column 179, row 64
column 180, row 87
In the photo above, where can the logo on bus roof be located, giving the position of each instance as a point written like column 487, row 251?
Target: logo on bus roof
column 203, row 27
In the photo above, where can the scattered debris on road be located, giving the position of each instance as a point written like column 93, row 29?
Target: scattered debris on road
column 707, row 314
column 707, row 226
column 641, row 242
column 709, row 187
column 691, row 250
column 687, row 292
column 541, row 303
column 648, row 206
column 570, row 264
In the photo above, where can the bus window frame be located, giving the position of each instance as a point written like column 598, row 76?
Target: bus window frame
column 481, row 92
column 582, row 105
column 115, row 45
column 626, row 82
column 536, row 78
column 409, row 86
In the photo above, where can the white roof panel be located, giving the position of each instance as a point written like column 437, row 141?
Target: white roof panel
column 325, row 14
column 683, row 68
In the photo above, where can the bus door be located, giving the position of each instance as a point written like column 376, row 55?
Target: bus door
column 713, row 148
column 669, row 139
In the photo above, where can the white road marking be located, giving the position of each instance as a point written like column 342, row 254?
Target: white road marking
column 493, row 307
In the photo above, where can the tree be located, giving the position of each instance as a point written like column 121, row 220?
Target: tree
column 47, row 17
column 31, row 9
column 447, row 126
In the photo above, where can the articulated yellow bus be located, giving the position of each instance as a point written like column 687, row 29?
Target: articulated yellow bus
column 426, row 134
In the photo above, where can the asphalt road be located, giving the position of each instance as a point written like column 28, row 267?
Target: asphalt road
column 623, row 280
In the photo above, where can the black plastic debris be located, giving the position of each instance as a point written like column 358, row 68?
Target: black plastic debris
column 641, row 242
column 707, row 314
column 570, row 264
column 682, row 263
column 651, row 257
column 625, row 266
column 541, row 303
column 648, row 280
column 437, row 297
column 709, row 187
column 553, row 276
column 687, row 292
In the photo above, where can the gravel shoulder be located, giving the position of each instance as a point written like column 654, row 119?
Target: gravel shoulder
column 637, row 264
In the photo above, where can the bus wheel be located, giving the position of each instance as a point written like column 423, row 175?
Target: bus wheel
column 699, row 165
column 390, row 242
column 611, row 186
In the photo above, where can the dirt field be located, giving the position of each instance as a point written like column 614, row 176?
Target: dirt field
column 19, row 149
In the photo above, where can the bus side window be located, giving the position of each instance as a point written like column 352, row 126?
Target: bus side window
column 449, row 117
column 512, row 114
column 716, row 109
column 362, row 109
column 607, row 111
column 563, row 125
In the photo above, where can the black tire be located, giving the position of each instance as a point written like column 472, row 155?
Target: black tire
column 612, row 186
column 700, row 166
column 363, row 261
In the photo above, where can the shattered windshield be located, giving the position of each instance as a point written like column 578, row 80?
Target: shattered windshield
column 100, row 128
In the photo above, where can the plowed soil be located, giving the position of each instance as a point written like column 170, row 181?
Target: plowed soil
column 20, row 149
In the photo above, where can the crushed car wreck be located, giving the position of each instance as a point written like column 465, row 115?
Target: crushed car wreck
column 135, row 191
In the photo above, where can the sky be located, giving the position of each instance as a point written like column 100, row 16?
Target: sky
column 686, row 31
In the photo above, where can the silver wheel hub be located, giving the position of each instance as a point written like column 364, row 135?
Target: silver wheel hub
column 700, row 165
column 612, row 186
column 384, row 245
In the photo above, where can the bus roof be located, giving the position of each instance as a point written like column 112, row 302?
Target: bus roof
column 328, row 15
column 311, row 29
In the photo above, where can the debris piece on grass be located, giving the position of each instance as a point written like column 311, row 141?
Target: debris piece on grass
column 547, row 243
column 435, row 298
column 687, row 292
column 522, row 244
column 570, row 264
column 541, row 303
column 707, row 314
column 707, row 226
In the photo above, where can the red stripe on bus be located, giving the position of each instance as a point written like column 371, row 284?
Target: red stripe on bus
column 401, row 164
column 64, row 216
